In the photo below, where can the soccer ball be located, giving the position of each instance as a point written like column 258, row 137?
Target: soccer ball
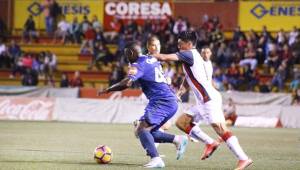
column 102, row 154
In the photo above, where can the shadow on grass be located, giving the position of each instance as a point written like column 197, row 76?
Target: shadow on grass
column 71, row 163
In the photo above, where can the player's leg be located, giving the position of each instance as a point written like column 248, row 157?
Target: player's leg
column 163, row 128
column 233, row 144
column 188, row 123
column 217, row 121
column 147, row 141
column 163, row 112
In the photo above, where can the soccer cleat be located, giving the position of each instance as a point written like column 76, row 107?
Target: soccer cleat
column 135, row 125
column 242, row 164
column 181, row 146
column 155, row 162
column 193, row 139
column 209, row 150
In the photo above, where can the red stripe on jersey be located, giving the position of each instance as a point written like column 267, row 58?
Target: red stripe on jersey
column 199, row 87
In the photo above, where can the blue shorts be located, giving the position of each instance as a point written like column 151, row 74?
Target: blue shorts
column 158, row 112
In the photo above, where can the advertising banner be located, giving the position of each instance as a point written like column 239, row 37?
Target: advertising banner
column 137, row 10
column 126, row 111
column 23, row 108
column 273, row 14
column 36, row 8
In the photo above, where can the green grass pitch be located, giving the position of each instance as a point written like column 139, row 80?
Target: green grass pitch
column 62, row 145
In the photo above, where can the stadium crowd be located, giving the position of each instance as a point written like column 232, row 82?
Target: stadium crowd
column 252, row 61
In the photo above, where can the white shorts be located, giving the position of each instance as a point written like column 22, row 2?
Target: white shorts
column 209, row 112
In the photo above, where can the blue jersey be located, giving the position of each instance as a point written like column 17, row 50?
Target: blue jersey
column 151, row 78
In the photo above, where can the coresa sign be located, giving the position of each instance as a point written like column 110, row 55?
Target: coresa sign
column 138, row 10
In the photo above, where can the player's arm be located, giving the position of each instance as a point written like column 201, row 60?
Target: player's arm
column 183, row 56
column 183, row 88
column 122, row 85
column 134, row 73
column 166, row 57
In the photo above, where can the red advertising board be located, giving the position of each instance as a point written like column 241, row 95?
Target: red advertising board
column 136, row 10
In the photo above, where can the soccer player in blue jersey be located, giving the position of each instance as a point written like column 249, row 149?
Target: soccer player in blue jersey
column 161, row 107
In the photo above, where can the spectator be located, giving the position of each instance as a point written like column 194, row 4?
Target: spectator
column 101, row 54
column 55, row 12
column 36, row 64
column 179, row 26
column 237, row 33
column 264, row 87
column 116, row 27
column 242, row 43
column 233, row 75
column 222, row 56
column 279, row 77
column 4, row 56
column 281, row 37
column 64, row 82
column 99, row 37
column 48, row 18
column 84, row 24
column 14, row 50
column 27, row 61
column 273, row 61
column 230, row 112
column 296, row 97
column 76, row 81
column 29, row 32
column 96, row 23
column 30, row 78
column 293, row 35
column 249, row 57
column 117, row 74
column 265, row 33
column 219, row 80
column 62, row 31
column 17, row 68
column 3, row 30
column 74, row 31
column 89, row 37
column 286, row 52
column 295, row 84
column 217, row 36
column 48, row 67
column 251, row 77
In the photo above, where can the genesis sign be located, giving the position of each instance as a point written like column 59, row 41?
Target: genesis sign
column 290, row 10
column 127, row 10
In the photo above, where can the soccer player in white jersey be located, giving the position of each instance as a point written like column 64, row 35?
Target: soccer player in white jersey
column 208, row 106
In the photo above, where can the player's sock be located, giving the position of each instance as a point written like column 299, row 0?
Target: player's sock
column 233, row 144
column 161, row 137
column 198, row 134
column 147, row 141
column 157, row 144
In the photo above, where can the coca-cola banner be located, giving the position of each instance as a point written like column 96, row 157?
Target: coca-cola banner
column 24, row 108
column 122, row 110
column 136, row 10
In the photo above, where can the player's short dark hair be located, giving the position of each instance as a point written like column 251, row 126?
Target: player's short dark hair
column 132, row 44
column 205, row 47
column 132, row 50
column 188, row 36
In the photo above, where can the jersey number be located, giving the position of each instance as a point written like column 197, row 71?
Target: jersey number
column 159, row 76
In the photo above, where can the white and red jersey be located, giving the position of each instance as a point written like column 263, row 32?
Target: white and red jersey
column 198, row 74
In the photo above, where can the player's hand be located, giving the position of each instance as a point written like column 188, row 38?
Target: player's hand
column 101, row 92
